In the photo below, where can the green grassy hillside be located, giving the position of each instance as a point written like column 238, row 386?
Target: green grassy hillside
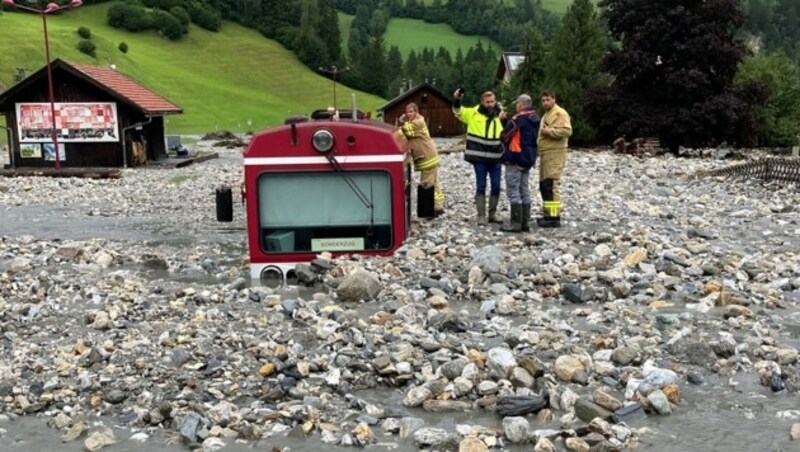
column 220, row 79
column 413, row 34
column 557, row 6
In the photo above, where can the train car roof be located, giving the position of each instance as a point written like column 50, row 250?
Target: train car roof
column 361, row 137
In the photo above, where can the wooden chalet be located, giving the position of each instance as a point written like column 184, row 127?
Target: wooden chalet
column 508, row 65
column 100, row 114
column 436, row 107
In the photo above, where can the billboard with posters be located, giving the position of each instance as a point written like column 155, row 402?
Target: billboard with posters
column 75, row 122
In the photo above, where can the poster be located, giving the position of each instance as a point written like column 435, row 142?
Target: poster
column 50, row 153
column 30, row 151
column 75, row 122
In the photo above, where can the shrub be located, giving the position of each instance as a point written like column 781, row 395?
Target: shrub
column 84, row 33
column 168, row 25
column 205, row 18
column 87, row 47
column 778, row 112
column 130, row 17
column 165, row 5
column 180, row 13
column 123, row 47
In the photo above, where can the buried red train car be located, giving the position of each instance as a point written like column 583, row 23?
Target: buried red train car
column 323, row 186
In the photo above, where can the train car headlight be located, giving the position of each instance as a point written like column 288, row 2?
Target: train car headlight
column 272, row 277
column 322, row 140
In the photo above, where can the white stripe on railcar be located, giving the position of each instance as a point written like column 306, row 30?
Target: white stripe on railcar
column 385, row 158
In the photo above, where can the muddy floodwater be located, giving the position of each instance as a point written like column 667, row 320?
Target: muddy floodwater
column 123, row 296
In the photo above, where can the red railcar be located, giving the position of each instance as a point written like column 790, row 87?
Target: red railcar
column 323, row 186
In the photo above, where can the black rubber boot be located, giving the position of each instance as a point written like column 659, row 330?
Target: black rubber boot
column 493, row 201
column 515, row 222
column 525, row 220
column 480, row 206
column 549, row 222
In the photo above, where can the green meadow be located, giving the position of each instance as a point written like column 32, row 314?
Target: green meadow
column 221, row 80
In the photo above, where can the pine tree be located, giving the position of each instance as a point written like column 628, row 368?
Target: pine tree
column 412, row 66
column 787, row 15
column 328, row 30
column 574, row 64
column 372, row 68
column 530, row 75
column 673, row 76
column 394, row 61
column 307, row 45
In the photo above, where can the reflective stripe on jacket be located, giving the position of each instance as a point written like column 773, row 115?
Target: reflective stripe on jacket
column 483, row 135
column 419, row 143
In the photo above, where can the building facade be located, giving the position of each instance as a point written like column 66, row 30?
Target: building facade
column 102, row 118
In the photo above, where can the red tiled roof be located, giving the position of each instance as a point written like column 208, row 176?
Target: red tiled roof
column 126, row 88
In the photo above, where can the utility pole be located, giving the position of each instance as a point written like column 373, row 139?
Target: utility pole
column 334, row 71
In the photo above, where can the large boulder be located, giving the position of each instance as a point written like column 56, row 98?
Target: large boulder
column 359, row 285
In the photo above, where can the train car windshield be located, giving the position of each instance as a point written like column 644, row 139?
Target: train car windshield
column 325, row 211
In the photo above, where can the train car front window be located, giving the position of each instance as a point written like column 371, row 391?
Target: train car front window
column 325, row 211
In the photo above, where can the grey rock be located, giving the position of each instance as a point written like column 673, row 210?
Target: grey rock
column 572, row 292
column 693, row 352
column 289, row 306
column 489, row 259
column 238, row 284
column 517, row 429
column 586, row 411
column 602, row 398
column 189, row 427
column 99, row 440
column 533, row 365
column 409, row 425
column 794, row 433
column 629, row 413
column 416, row 396
column 521, row 378
column 454, row 368
column 499, row 362
column 115, row 396
column 487, row 306
column 624, row 355
column 359, row 285
column 432, row 437
column 391, row 425
column 659, row 401
column 180, row 357
column 305, row 274
column 658, row 379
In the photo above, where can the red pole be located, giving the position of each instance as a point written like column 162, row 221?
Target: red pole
column 52, row 92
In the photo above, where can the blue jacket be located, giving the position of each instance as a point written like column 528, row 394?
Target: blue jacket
column 519, row 139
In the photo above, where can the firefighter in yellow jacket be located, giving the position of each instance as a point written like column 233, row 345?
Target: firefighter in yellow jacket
column 423, row 152
column 554, row 131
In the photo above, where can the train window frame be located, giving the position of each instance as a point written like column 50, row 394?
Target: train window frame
column 392, row 231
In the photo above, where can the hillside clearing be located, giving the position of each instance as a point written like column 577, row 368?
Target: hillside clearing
column 221, row 80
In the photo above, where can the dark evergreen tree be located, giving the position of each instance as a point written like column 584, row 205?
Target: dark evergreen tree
column 530, row 75
column 328, row 30
column 787, row 18
column 372, row 68
column 574, row 64
column 394, row 62
column 412, row 66
column 673, row 76
column 307, row 45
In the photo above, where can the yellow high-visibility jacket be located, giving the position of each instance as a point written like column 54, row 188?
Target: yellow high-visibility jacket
column 560, row 130
column 483, row 134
